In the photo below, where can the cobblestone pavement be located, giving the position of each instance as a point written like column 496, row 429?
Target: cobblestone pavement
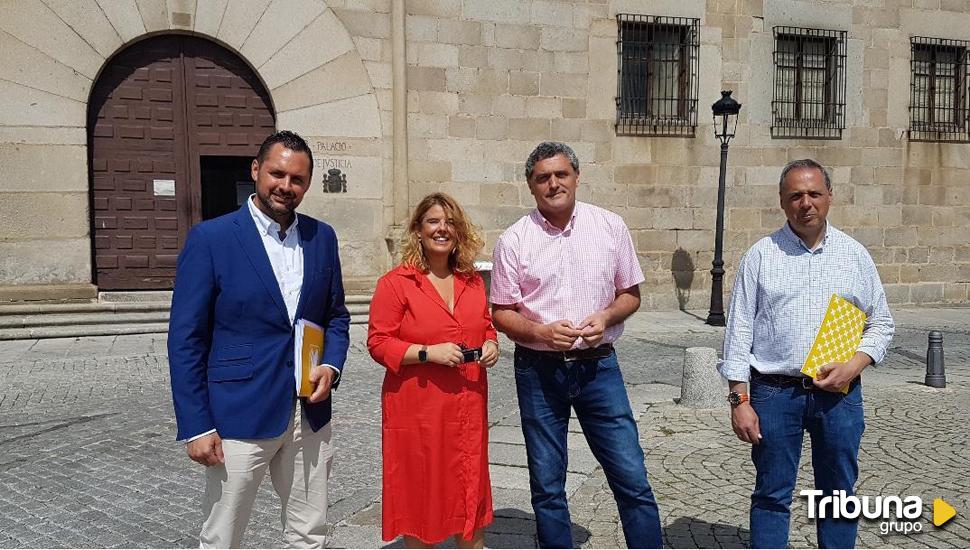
column 88, row 457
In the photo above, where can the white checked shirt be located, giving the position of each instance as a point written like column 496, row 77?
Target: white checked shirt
column 569, row 273
column 780, row 296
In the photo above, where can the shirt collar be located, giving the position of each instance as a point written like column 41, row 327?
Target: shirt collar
column 549, row 226
column 795, row 238
column 266, row 224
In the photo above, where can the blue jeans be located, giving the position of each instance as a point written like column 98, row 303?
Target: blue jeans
column 547, row 387
column 835, row 424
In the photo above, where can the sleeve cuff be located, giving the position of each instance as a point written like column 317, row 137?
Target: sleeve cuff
column 394, row 355
column 732, row 371
column 200, row 436
column 876, row 353
column 336, row 379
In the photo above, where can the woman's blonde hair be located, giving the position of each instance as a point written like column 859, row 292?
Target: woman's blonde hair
column 469, row 243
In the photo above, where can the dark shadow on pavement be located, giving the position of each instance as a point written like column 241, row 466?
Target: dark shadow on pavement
column 512, row 528
column 695, row 316
column 686, row 532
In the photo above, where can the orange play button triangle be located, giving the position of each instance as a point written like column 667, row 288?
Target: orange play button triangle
column 942, row 512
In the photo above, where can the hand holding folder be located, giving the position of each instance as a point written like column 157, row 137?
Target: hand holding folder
column 307, row 353
column 838, row 337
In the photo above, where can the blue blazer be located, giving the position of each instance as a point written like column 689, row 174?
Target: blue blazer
column 230, row 342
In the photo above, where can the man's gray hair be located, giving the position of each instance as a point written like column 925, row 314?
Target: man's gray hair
column 804, row 163
column 549, row 149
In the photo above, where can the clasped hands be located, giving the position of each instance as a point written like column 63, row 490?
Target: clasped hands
column 450, row 354
column 562, row 335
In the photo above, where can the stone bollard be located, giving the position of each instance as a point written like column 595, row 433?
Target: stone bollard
column 935, row 372
column 702, row 386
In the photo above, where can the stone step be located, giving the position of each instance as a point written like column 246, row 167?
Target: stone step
column 83, row 318
column 123, row 316
column 75, row 331
column 91, row 307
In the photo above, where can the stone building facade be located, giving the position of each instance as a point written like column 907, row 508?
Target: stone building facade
column 399, row 98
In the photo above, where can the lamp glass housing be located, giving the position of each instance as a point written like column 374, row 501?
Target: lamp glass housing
column 725, row 112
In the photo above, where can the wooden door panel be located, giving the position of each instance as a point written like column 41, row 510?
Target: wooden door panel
column 133, row 126
column 156, row 108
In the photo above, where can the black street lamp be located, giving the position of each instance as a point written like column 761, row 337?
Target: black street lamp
column 726, row 112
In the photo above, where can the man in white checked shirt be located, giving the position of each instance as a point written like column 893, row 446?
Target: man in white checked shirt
column 783, row 286
column 564, row 279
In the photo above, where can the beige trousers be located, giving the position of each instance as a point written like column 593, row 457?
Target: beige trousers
column 299, row 464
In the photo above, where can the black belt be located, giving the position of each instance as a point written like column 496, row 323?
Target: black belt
column 782, row 381
column 599, row 352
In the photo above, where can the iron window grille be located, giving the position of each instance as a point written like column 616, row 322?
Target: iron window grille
column 809, row 97
column 657, row 80
column 938, row 100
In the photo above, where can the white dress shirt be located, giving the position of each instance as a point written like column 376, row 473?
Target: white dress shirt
column 285, row 255
column 780, row 296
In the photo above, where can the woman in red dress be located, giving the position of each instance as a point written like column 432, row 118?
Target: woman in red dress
column 424, row 313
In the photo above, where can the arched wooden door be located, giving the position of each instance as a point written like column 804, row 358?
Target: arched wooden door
column 172, row 121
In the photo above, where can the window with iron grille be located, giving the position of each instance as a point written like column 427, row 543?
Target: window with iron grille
column 809, row 99
column 657, row 83
column 938, row 102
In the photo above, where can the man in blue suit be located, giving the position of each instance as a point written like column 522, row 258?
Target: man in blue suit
column 242, row 281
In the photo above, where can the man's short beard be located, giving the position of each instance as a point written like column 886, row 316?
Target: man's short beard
column 273, row 207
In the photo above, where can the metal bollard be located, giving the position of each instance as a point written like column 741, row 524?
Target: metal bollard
column 935, row 375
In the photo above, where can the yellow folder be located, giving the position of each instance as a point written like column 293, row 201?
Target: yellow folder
column 838, row 337
column 307, row 352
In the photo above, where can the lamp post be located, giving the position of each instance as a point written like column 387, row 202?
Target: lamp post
column 726, row 112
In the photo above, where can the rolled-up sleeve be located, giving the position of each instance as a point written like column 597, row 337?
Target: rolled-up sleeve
column 738, row 337
column 880, row 327
column 384, row 326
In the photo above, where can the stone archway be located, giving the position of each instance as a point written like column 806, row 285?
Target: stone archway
column 301, row 52
column 160, row 113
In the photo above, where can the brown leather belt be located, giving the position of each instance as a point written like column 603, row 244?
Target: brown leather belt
column 599, row 352
column 782, row 381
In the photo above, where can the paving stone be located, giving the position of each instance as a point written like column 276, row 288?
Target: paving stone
column 88, row 457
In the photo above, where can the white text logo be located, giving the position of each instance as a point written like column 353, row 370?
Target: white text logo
column 897, row 513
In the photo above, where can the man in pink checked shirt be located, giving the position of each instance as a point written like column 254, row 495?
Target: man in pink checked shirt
column 564, row 279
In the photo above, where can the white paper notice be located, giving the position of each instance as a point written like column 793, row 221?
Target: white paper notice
column 164, row 188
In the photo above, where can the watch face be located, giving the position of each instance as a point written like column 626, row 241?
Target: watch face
column 734, row 398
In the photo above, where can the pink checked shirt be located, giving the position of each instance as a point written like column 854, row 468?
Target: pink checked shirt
column 567, row 273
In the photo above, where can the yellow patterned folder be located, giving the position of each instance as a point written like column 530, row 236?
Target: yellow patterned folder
column 838, row 338
column 307, row 352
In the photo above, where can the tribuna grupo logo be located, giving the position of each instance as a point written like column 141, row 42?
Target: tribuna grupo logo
column 896, row 514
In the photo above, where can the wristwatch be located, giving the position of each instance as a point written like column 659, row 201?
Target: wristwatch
column 423, row 354
column 735, row 398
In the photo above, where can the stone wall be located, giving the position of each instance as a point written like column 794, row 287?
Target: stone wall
column 486, row 81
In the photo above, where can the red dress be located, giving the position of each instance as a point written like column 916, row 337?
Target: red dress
column 435, row 418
